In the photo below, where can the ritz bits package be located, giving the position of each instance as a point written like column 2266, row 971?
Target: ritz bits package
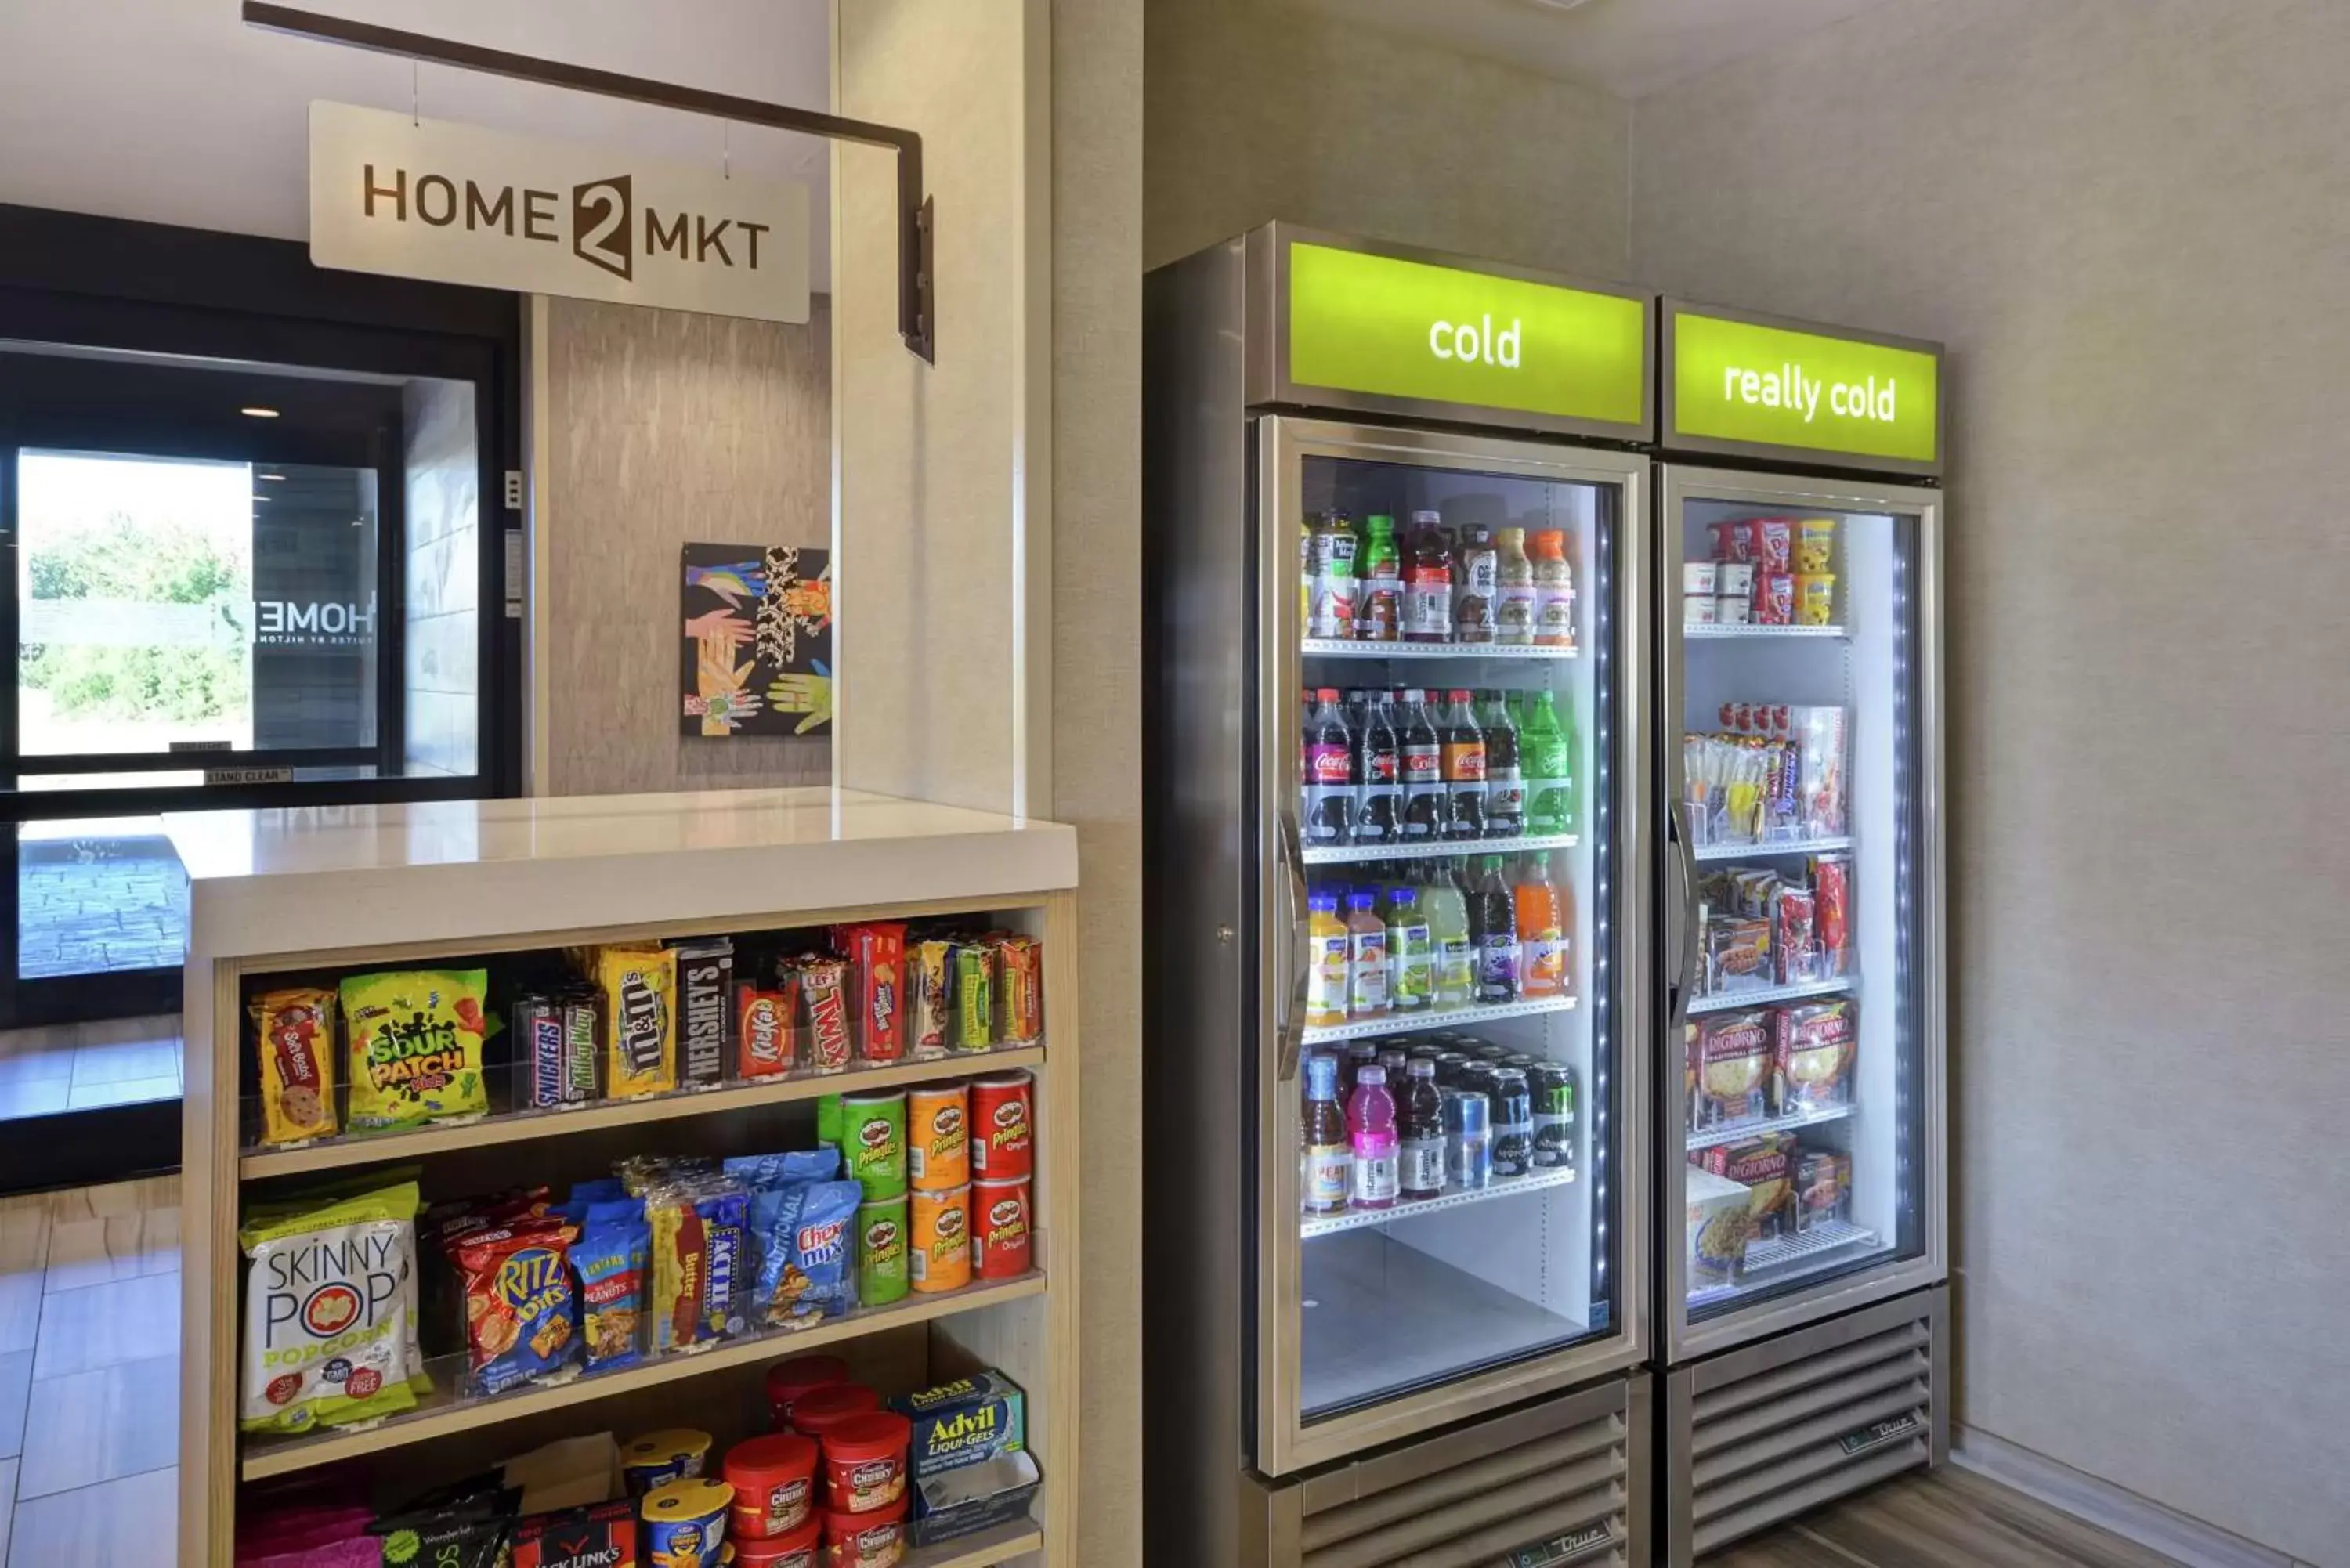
column 639, row 996
column 294, row 1031
column 415, row 1041
column 330, row 1312
column 518, row 1305
column 877, row 990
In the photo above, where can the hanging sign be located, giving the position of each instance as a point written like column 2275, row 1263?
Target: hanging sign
column 1417, row 331
column 389, row 194
column 1747, row 386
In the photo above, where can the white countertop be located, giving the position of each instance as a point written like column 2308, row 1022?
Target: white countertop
column 313, row 879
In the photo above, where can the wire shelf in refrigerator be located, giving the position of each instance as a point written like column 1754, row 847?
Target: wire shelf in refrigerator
column 1772, row 1264
column 1358, row 853
column 1412, row 1208
column 1710, row 1137
column 1765, row 995
column 1441, row 1018
column 1707, row 633
column 1763, row 851
column 1346, row 648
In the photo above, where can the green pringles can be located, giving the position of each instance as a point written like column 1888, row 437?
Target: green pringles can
column 829, row 1120
column 873, row 1143
column 881, row 1274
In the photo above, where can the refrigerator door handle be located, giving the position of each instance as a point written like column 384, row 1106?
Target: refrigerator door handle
column 1682, row 962
column 1289, row 1021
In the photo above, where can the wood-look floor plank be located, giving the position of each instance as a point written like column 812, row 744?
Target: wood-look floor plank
column 113, row 1525
column 1924, row 1521
column 102, row 1326
column 100, row 1425
column 1783, row 1548
column 15, row 1399
column 7, row 1502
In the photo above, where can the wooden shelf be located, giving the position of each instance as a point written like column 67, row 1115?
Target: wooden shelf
column 982, row 1549
column 519, row 1125
column 446, row 1411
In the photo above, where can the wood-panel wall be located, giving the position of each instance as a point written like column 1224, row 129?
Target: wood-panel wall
column 667, row 427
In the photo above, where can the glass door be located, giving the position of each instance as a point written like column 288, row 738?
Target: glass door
column 1802, row 769
column 1446, row 1209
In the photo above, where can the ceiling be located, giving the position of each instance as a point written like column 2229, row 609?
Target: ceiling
column 176, row 112
column 1624, row 48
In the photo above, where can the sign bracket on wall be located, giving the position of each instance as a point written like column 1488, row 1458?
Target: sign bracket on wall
column 917, row 304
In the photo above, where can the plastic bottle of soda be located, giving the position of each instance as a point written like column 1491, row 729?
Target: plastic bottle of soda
column 1378, row 774
column 1553, row 590
column 1545, row 761
column 1428, row 584
column 1367, row 958
column 1505, row 784
column 1329, row 773
column 1477, row 586
column 1326, row 1184
column 1464, row 769
column 1542, row 931
column 1422, row 751
column 1411, row 966
column 1420, row 1132
column 1513, row 605
column 1493, row 927
column 1448, row 938
column 1378, row 609
column 1371, row 1125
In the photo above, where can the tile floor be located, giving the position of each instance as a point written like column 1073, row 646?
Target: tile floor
column 81, row 1067
column 90, row 1405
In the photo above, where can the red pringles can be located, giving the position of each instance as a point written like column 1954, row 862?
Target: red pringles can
column 876, row 988
column 1002, row 1127
column 1003, row 1227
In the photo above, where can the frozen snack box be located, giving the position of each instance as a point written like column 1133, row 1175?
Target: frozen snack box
column 1719, row 1228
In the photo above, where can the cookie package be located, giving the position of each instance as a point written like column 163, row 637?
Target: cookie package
column 293, row 1034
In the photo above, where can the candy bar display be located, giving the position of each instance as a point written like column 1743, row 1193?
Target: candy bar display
column 1765, row 571
column 397, row 1051
column 1773, row 773
column 845, row 1479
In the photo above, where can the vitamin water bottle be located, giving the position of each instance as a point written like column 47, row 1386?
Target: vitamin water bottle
column 1326, row 1184
column 1419, row 1131
column 1371, row 1128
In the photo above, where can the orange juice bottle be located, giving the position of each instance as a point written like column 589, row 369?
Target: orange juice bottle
column 1327, row 962
column 1544, row 918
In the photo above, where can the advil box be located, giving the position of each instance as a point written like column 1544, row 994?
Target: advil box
column 966, row 1422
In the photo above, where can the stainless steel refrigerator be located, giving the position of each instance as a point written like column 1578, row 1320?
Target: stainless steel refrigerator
column 1440, row 1366
column 1802, row 1180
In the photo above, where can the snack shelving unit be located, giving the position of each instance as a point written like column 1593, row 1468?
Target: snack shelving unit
column 301, row 892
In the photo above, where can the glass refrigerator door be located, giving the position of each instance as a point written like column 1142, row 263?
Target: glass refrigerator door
column 1802, row 767
column 1443, row 1135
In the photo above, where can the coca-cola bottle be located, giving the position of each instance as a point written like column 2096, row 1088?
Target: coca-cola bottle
column 1423, row 771
column 1378, row 774
column 1329, row 773
column 1464, row 769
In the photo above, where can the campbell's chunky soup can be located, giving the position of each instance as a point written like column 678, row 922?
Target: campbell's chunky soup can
column 774, row 1478
column 1001, row 1223
column 938, row 1258
column 875, row 1539
column 865, row 1463
column 938, row 1136
column 1002, row 1127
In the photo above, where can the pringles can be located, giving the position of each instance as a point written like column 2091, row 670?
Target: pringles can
column 1002, row 1127
column 939, row 1254
column 938, row 1136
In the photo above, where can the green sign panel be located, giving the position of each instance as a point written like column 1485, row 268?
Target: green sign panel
column 1362, row 323
column 1734, row 380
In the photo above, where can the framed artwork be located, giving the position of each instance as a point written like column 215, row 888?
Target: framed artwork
column 757, row 651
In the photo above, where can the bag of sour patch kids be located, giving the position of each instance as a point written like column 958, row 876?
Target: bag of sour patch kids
column 331, row 1314
column 416, row 1047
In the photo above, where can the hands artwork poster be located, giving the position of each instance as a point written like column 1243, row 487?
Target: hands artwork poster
column 757, row 625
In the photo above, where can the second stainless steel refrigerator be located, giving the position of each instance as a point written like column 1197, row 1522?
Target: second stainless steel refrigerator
column 1397, row 977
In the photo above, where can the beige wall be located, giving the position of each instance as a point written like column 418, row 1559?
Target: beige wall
column 1096, row 249
column 931, row 456
column 1258, row 110
column 2130, row 224
column 664, row 428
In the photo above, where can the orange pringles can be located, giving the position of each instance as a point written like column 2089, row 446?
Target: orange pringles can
column 1002, row 1127
column 938, row 1136
column 1002, row 1226
column 941, row 1255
